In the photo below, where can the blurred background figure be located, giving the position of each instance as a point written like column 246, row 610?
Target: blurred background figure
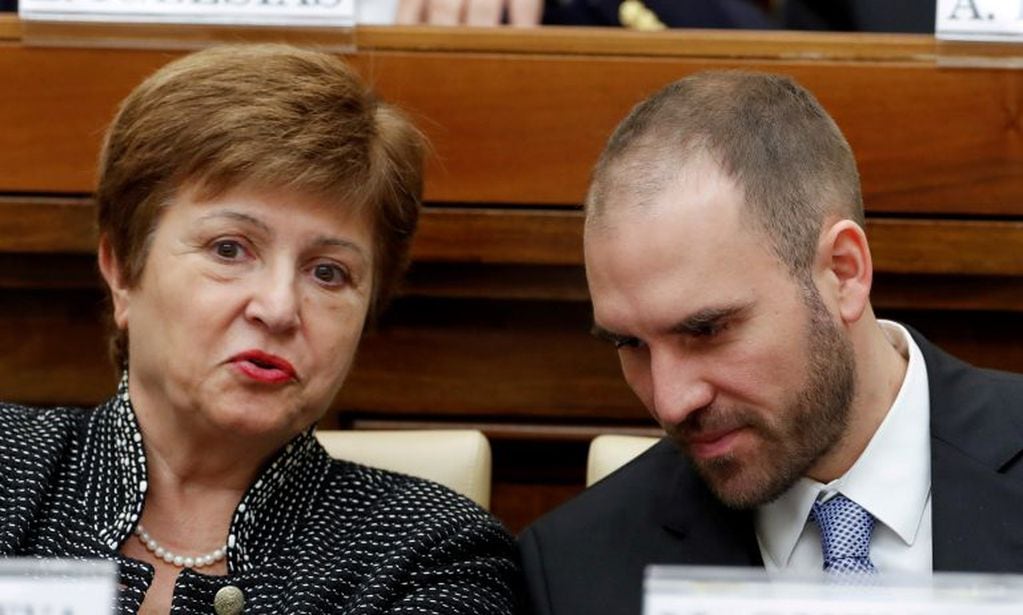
column 859, row 15
column 470, row 12
column 659, row 14
column 839, row 15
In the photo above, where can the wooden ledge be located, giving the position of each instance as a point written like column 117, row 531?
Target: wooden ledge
column 550, row 236
column 545, row 40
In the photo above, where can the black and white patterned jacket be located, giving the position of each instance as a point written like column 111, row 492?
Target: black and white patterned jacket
column 311, row 535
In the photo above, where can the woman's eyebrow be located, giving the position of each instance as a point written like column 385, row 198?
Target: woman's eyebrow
column 321, row 241
column 324, row 241
column 239, row 216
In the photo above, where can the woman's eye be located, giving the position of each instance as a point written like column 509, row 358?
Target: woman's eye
column 331, row 275
column 228, row 249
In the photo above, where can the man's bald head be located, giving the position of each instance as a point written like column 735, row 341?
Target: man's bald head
column 767, row 133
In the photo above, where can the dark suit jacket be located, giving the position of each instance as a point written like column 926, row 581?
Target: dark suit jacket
column 588, row 556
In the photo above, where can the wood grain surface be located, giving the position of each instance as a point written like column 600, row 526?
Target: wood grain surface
column 519, row 120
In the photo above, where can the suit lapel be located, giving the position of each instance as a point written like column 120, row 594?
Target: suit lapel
column 703, row 531
column 976, row 484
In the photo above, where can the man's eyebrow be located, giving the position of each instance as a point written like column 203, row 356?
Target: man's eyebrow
column 700, row 321
column 604, row 335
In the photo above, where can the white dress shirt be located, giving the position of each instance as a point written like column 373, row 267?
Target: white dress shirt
column 891, row 480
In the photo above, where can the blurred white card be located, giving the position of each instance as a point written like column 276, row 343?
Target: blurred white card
column 678, row 590
column 377, row 12
column 60, row 587
column 319, row 13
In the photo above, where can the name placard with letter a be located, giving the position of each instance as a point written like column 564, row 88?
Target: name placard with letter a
column 979, row 20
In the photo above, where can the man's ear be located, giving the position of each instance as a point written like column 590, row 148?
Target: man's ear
column 843, row 261
column 110, row 268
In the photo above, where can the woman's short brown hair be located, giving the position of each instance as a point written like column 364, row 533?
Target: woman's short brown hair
column 263, row 116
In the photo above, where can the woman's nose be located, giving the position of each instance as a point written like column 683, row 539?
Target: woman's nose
column 274, row 302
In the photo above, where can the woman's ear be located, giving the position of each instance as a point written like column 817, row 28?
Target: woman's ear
column 844, row 260
column 110, row 268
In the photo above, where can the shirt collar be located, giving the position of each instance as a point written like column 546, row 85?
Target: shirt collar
column 891, row 479
column 115, row 485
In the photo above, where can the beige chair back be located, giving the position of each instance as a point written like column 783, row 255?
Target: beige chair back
column 457, row 458
column 610, row 452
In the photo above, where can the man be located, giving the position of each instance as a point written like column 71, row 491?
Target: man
column 727, row 262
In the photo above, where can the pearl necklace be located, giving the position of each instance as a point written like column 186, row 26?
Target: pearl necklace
column 173, row 559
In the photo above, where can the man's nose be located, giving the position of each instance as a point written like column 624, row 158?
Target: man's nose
column 680, row 385
column 275, row 301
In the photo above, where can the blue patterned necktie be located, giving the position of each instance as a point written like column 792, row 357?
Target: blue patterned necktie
column 845, row 535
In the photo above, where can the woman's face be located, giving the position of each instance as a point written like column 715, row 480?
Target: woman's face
column 248, row 312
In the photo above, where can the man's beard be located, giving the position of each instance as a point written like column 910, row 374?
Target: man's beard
column 792, row 440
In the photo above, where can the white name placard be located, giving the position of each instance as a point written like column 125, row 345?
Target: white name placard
column 671, row 590
column 980, row 20
column 57, row 587
column 320, row 13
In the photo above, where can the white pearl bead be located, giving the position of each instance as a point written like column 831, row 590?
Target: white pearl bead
column 189, row 562
column 151, row 544
column 168, row 557
column 160, row 552
column 178, row 561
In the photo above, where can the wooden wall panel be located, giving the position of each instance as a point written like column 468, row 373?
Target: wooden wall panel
column 525, row 128
column 54, row 348
column 448, row 360
column 553, row 237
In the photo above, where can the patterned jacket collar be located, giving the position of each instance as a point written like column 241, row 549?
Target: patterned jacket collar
column 115, row 483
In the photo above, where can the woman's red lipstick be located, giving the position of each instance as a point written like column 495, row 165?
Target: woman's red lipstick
column 264, row 367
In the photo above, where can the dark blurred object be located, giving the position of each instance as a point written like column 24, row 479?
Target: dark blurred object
column 8, row 6
column 860, row 15
column 742, row 14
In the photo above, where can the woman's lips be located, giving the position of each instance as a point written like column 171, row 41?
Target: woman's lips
column 264, row 367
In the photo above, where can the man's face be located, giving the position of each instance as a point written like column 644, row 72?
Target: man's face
column 743, row 365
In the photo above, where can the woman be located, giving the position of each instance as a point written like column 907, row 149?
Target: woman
column 256, row 204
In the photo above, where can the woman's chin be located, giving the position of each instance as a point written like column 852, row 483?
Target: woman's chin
column 247, row 422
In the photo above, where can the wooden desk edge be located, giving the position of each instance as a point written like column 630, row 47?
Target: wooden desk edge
column 789, row 45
